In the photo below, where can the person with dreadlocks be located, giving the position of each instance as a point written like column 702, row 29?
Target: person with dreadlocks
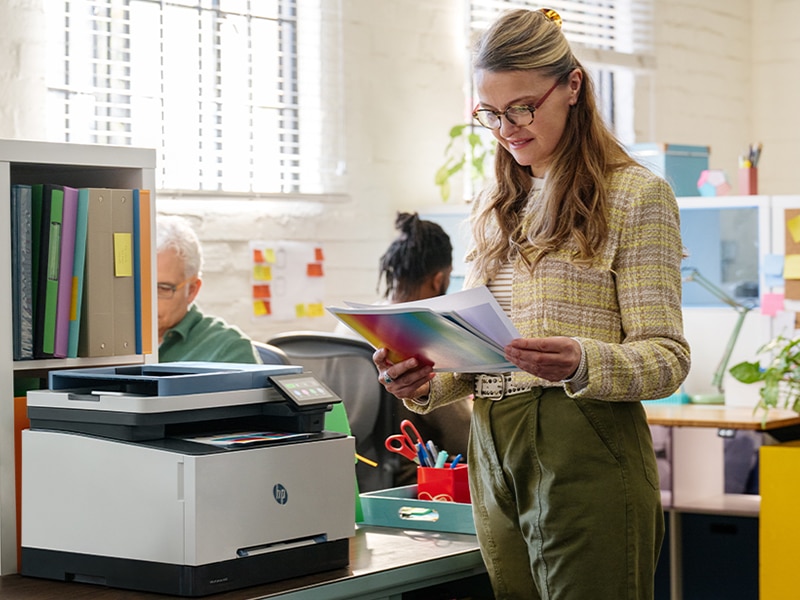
column 417, row 265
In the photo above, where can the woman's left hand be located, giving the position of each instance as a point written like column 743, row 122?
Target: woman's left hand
column 551, row 358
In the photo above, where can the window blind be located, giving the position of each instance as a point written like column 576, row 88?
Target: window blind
column 228, row 91
column 612, row 38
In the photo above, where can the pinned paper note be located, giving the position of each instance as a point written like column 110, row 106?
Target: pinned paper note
column 791, row 284
column 791, row 266
column 772, row 268
column 793, row 225
column 771, row 304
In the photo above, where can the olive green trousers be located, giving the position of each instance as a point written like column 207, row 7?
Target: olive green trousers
column 565, row 496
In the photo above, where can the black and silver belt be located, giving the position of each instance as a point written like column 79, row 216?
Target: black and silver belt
column 496, row 386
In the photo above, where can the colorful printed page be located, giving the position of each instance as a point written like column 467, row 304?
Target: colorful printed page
column 447, row 341
column 475, row 308
column 246, row 438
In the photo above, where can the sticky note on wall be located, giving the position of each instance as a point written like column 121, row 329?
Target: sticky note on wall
column 791, row 266
column 793, row 225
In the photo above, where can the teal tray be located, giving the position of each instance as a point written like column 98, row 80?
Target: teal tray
column 400, row 508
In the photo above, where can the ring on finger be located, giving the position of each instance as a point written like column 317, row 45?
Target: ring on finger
column 386, row 378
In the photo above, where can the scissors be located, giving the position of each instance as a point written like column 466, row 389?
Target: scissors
column 405, row 442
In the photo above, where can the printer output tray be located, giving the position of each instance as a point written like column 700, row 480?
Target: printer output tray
column 186, row 580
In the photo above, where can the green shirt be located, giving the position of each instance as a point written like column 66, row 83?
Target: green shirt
column 201, row 338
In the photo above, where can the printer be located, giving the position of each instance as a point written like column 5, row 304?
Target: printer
column 184, row 478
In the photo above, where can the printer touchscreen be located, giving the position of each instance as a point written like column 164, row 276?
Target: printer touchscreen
column 304, row 389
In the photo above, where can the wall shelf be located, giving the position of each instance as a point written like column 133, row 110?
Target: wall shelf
column 26, row 162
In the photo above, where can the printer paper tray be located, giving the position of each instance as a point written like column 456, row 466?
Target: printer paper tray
column 185, row 580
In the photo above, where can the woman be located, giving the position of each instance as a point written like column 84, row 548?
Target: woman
column 581, row 246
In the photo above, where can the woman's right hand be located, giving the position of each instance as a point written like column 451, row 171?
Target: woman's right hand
column 406, row 379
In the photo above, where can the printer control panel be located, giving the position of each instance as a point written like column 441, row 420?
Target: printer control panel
column 304, row 390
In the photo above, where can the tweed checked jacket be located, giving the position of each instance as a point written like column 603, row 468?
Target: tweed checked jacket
column 625, row 308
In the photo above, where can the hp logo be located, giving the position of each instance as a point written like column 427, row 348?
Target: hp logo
column 280, row 493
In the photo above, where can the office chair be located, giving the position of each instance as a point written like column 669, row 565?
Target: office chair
column 345, row 365
column 271, row 355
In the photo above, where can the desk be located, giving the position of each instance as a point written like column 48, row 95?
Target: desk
column 698, row 467
column 384, row 563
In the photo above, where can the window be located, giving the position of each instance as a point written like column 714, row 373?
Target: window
column 610, row 37
column 229, row 91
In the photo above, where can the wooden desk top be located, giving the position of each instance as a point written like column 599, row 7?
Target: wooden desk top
column 719, row 416
column 382, row 560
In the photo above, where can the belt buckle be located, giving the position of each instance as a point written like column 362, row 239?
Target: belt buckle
column 499, row 395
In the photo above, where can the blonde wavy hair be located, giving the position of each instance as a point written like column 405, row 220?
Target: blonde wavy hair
column 573, row 211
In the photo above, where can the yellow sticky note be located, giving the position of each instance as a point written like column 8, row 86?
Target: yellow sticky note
column 262, row 272
column 269, row 255
column 316, row 310
column 123, row 255
column 300, row 310
column 793, row 225
column 260, row 309
column 791, row 266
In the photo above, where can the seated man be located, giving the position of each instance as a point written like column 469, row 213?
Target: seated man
column 185, row 333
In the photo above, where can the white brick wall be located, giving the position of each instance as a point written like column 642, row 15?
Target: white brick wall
column 22, row 69
column 725, row 75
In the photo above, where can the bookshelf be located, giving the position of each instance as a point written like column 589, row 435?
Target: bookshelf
column 28, row 162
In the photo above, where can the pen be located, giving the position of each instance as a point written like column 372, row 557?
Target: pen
column 424, row 460
column 433, row 452
column 441, row 459
column 456, row 460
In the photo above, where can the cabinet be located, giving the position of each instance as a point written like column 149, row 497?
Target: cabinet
column 703, row 519
column 780, row 527
column 24, row 162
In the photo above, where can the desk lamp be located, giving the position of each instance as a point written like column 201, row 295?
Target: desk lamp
column 692, row 274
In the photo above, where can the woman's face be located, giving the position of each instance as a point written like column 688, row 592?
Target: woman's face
column 531, row 145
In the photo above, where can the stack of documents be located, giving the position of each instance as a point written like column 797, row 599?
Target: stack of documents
column 463, row 332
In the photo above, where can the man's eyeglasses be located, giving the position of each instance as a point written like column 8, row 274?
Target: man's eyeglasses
column 520, row 115
column 167, row 290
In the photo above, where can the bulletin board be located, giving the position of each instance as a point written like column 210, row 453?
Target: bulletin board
column 288, row 280
column 791, row 266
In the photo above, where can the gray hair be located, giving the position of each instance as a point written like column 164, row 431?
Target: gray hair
column 176, row 233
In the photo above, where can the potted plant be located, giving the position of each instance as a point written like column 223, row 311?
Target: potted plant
column 466, row 151
column 780, row 376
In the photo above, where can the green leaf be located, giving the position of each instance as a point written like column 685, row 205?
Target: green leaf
column 474, row 140
column 444, row 190
column 442, row 174
column 477, row 165
column 748, row 372
column 457, row 130
column 457, row 167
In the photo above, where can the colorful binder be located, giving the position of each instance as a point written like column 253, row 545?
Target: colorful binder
column 22, row 271
column 97, row 309
column 123, row 281
column 142, row 271
column 66, row 262
column 49, row 268
column 79, row 262
column 37, row 191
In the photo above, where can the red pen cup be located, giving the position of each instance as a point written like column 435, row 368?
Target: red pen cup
column 445, row 484
column 748, row 181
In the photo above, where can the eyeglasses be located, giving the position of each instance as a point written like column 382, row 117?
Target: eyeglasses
column 520, row 115
column 167, row 290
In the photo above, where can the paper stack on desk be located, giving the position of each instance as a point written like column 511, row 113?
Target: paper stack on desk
column 462, row 332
